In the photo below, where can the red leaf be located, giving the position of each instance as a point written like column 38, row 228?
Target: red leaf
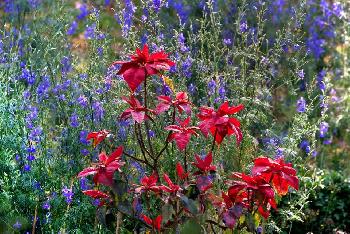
column 143, row 64
column 95, row 194
column 181, row 172
column 115, row 155
column 87, row 171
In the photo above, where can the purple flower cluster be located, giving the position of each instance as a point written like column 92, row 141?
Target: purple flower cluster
column 68, row 194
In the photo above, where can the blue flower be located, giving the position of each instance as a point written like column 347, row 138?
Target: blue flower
column 46, row 205
column 323, row 129
column 72, row 28
column 26, row 167
column 305, row 145
column 211, row 87
column 17, row 225
column 68, row 194
column 74, row 120
column 83, row 12
column 90, row 31
column 301, row 105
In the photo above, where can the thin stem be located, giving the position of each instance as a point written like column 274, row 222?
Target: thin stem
column 141, row 140
column 166, row 140
column 213, row 144
column 185, row 160
column 34, row 221
column 146, row 122
column 137, row 159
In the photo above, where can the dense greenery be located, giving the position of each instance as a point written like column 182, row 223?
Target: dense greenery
column 286, row 61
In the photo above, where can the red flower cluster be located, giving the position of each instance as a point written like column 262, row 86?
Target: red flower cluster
column 105, row 168
column 219, row 124
column 143, row 64
column 190, row 192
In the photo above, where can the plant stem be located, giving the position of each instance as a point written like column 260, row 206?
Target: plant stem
column 213, row 144
column 146, row 122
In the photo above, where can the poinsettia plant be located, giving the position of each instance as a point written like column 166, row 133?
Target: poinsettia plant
column 193, row 188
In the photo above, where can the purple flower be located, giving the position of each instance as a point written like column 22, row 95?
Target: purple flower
column 191, row 89
column 301, row 74
column 43, row 88
column 82, row 136
column 72, row 28
column 84, row 183
column 323, row 129
column 305, row 145
column 85, row 152
column 66, row 67
column 82, row 100
column 28, row 76
column 74, row 120
column 17, row 225
column 186, row 67
column 35, row 134
column 30, row 157
column 26, row 167
column 46, row 205
column 211, row 87
column 301, row 105
column 83, row 12
column 96, row 202
column 227, row 41
column 90, row 31
column 98, row 111
column 68, row 194
column 243, row 26
column 156, row 5
column 151, row 133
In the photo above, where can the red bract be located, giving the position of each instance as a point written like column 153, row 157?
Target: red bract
column 182, row 134
column 148, row 184
column 155, row 223
column 97, row 137
column 143, row 64
column 181, row 174
column 95, row 194
column 256, row 188
column 281, row 174
column 136, row 110
column 219, row 124
column 171, row 188
column 181, row 103
column 204, row 165
column 105, row 168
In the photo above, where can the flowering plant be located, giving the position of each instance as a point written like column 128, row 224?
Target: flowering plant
column 193, row 191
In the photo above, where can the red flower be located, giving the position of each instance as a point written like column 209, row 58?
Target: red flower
column 105, row 168
column 155, row 223
column 148, row 184
column 181, row 103
column 219, row 124
column 259, row 191
column 181, row 174
column 143, row 64
column 96, row 194
column 97, row 137
column 136, row 110
column 171, row 188
column 281, row 174
column 204, row 165
column 182, row 134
